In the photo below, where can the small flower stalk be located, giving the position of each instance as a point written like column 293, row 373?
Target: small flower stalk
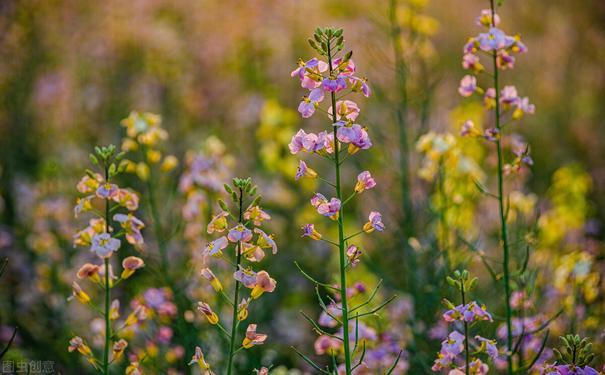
column 461, row 352
column 332, row 78
column 112, row 224
column 508, row 107
column 243, row 245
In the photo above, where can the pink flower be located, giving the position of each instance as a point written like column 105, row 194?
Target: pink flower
column 215, row 247
column 471, row 61
column 364, row 182
column 355, row 135
column 309, row 103
column 360, row 85
column 310, row 142
column 326, row 344
column 508, row 95
column 485, row 19
column 252, row 338
column 308, row 230
column 468, row 85
column 374, row 223
column 239, row 233
column 324, row 207
column 304, row 171
column 345, row 108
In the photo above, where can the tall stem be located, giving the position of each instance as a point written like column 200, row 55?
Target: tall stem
column 341, row 241
column 466, row 339
column 107, row 288
column 238, row 260
column 503, row 225
column 407, row 224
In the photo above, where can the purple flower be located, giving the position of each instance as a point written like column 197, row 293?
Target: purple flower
column 310, row 142
column 239, row 233
column 345, row 108
column 346, row 69
column 245, row 276
column 489, row 346
column 103, row 245
column 334, row 84
column 355, row 135
column 504, row 60
column 508, row 95
column 107, row 191
column 453, row 345
column 491, row 134
column 324, row 207
column 468, row 85
column 360, row 84
column 304, row 171
column 309, row 103
column 364, row 182
column 471, row 61
column 215, row 247
column 494, row 40
column 523, row 106
column 308, row 230
column 374, row 223
column 485, row 18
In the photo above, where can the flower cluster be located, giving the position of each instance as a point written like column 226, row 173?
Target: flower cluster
column 507, row 101
column 104, row 199
column 144, row 133
column 457, row 344
column 249, row 244
column 324, row 79
column 573, row 359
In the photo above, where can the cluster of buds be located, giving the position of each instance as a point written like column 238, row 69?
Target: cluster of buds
column 144, row 133
column 508, row 102
column 574, row 358
column 459, row 343
column 250, row 244
column 104, row 199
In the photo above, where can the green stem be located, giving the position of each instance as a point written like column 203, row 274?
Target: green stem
column 107, row 288
column 503, row 225
column 407, row 223
column 341, row 240
column 234, row 324
column 466, row 338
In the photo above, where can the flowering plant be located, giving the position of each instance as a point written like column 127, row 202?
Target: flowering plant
column 249, row 243
column 102, row 237
column 457, row 343
column 326, row 79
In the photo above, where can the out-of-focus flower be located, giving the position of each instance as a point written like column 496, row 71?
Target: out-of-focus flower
column 327, row 345
column 468, row 85
column 118, row 350
column 198, row 359
column 76, row 343
column 103, row 245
